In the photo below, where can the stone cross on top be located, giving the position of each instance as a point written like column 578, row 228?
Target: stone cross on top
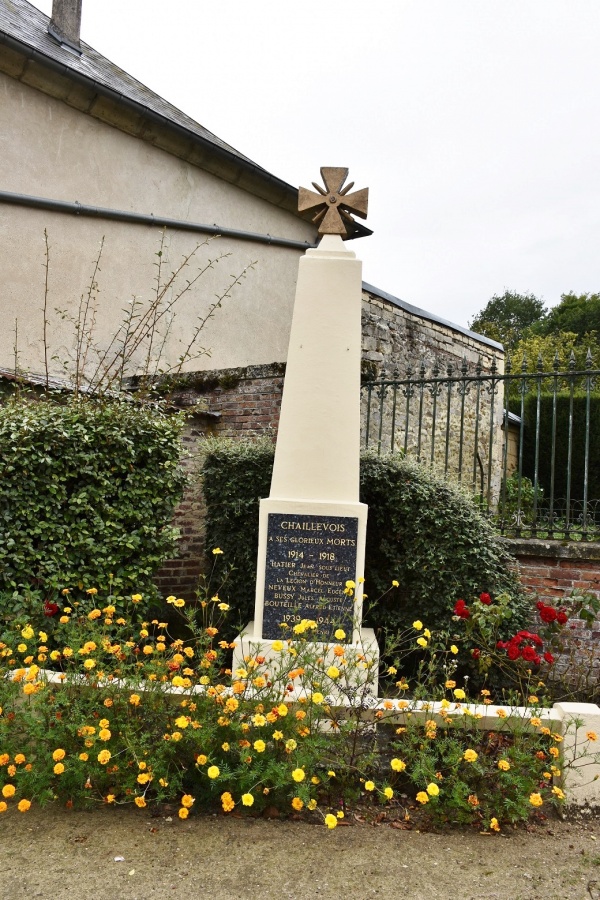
column 333, row 203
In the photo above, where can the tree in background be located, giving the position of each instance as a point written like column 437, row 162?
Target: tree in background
column 507, row 317
column 579, row 314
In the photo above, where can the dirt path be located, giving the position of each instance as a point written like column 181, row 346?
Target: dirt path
column 55, row 854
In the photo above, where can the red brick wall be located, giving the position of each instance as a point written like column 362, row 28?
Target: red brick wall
column 233, row 403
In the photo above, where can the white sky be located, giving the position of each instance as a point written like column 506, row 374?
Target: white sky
column 475, row 123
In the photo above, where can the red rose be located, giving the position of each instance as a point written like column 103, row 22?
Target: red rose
column 561, row 617
column 529, row 654
column 548, row 614
column 512, row 651
column 50, row 609
column 540, row 604
column 475, row 653
column 485, row 598
column 461, row 610
column 549, row 659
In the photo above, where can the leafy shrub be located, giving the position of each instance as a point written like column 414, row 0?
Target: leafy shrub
column 422, row 531
column 87, row 495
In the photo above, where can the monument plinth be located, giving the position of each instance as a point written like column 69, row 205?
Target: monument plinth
column 312, row 527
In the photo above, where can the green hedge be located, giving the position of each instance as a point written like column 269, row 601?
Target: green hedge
column 87, row 491
column 422, row 532
column 562, row 444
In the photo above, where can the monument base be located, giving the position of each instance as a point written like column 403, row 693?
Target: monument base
column 364, row 650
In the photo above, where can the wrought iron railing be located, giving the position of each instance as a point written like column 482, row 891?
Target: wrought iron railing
column 526, row 443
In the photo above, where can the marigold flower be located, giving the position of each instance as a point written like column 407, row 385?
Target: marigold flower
column 260, row 746
column 23, row 805
column 331, row 821
column 422, row 797
column 139, row 801
column 103, row 757
column 298, row 774
column 339, row 634
column 459, row 694
column 227, row 801
column 369, row 785
column 453, row 649
column 504, row 765
column 417, row 625
column 473, row 800
column 8, row 791
column 297, row 803
column 317, row 698
column 398, row 765
column 213, row 772
column 494, row 826
column 20, row 758
column 536, row 799
column 3, row 806
column 333, row 672
column 217, row 551
column 84, row 757
column 591, row 735
column 554, row 751
column 470, row 755
column 422, row 642
column 59, row 768
column 58, row 754
column 432, row 789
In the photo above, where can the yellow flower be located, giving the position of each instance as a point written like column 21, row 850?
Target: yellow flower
column 104, row 734
column 422, row 642
column 227, row 801
column 536, row 799
column 183, row 813
column 453, row 649
column 339, row 634
column 217, row 551
column 134, row 699
column 277, row 735
column 298, row 775
column 398, row 765
column 3, row 806
column 260, row 746
column 432, row 789
column 27, row 632
column 330, row 820
column 139, row 801
column 91, row 591
column 369, row 785
column 459, row 694
column 317, row 698
column 136, row 598
column 290, row 745
column 59, row 768
column 23, row 805
column 422, row 797
column 494, row 826
column 84, row 757
column 470, row 755
column 8, row 791
column 501, row 713
column 333, row 672
column 536, row 722
column 554, row 751
column 247, row 799
column 213, row 772
column 19, row 758
column 417, row 625
column 89, row 664
column 558, row 793
column 182, row 722
column 591, row 735
column 504, row 765
column 450, row 684
column 297, row 803
column 144, row 778
column 58, row 754
column 277, row 646
column 187, row 800
column 282, row 710
column 395, row 583
column 388, row 792
column 103, row 757
column 147, row 649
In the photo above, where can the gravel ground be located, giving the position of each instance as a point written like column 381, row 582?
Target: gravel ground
column 125, row 854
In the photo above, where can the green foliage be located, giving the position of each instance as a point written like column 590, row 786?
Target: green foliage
column 579, row 313
column 550, row 347
column 87, row 498
column 423, row 532
column 562, row 444
column 431, row 537
column 236, row 475
column 507, row 317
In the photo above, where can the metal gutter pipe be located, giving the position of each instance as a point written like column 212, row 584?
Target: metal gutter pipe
column 121, row 215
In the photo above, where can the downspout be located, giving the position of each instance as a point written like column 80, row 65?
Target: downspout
column 121, row 215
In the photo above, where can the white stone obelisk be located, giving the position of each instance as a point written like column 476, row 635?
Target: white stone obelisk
column 312, row 527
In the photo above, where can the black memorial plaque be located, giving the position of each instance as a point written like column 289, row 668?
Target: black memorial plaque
column 309, row 561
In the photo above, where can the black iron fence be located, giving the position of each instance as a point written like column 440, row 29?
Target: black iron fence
column 526, row 443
